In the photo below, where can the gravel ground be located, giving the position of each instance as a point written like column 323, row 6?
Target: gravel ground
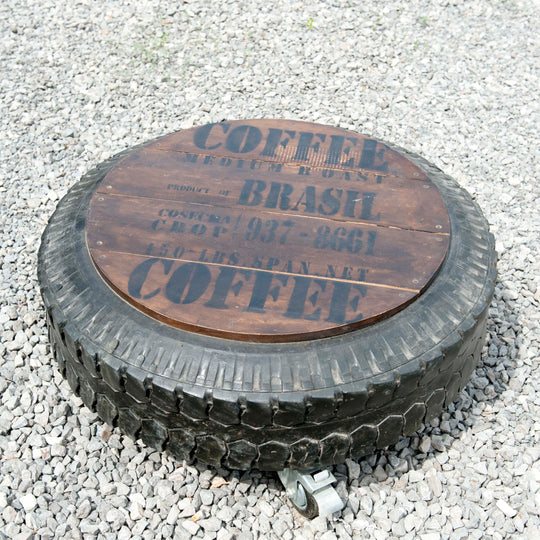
column 454, row 81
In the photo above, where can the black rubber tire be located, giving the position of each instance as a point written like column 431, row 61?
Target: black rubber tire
column 257, row 405
column 310, row 508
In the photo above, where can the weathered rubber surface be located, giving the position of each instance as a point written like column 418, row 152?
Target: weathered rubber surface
column 259, row 405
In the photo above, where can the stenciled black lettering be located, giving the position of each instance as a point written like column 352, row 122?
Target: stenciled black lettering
column 350, row 202
column 274, row 194
column 369, row 154
column 284, row 198
column 274, row 139
column 200, row 137
column 272, row 262
column 219, row 229
column 340, row 303
column 224, row 284
column 304, row 145
column 307, row 199
column 251, row 194
column 139, row 275
column 198, row 229
column 372, row 235
column 262, row 289
column 287, row 267
column 275, row 167
column 158, row 224
column 218, row 257
column 256, row 165
column 330, row 201
column 336, row 150
column 367, row 207
column 177, row 227
column 167, row 212
column 299, row 296
column 243, row 139
column 337, row 240
column 193, row 276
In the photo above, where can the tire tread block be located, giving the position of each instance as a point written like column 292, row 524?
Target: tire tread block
column 241, row 455
column 181, row 444
column 106, row 409
column 210, row 450
column 334, row 449
column 363, row 440
column 389, row 430
column 129, row 423
column 153, row 434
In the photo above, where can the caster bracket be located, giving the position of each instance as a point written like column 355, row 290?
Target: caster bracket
column 311, row 492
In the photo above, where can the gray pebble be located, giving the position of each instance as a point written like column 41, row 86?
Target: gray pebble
column 211, row 524
column 353, row 469
column 115, row 517
column 88, row 527
column 191, row 526
column 398, row 529
column 28, row 501
column 506, row 508
column 380, row 474
column 416, row 476
column 266, row 509
column 84, row 509
column 425, row 445
column 187, row 510
column 227, row 514
column 206, row 496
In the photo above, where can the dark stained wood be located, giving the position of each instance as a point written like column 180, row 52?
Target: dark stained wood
column 279, row 242
column 267, row 230
column 296, row 306
column 292, row 141
column 175, row 178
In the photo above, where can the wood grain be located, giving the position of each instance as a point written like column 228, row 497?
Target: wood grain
column 267, row 230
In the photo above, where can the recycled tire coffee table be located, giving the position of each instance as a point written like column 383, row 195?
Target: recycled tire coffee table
column 267, row 294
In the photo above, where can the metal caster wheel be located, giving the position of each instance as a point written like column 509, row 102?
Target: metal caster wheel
column 311, row 493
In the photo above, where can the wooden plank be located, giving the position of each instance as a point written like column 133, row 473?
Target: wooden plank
column 287, row 141
column 247, row 238
column 364, row 196
column 246, row 304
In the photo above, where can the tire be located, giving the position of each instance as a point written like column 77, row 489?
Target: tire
column 305, row 503
column 269, row 406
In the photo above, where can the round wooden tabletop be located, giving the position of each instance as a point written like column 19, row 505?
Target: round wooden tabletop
column 267, row 230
